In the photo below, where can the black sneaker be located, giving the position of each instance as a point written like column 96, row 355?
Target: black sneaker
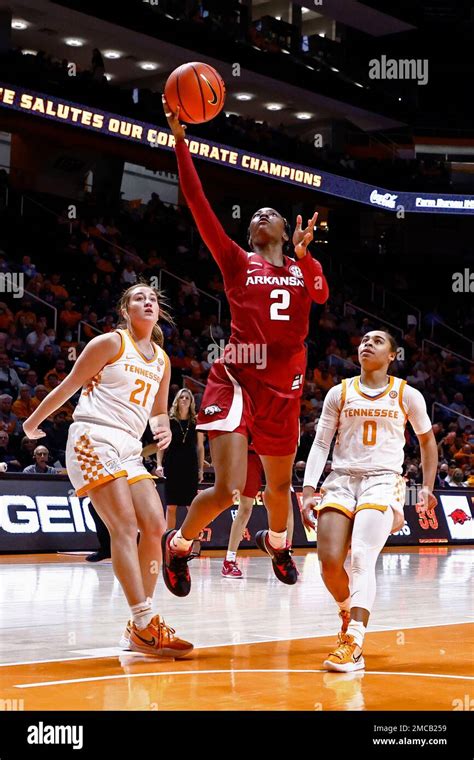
column 175, row 567
column 283, row 566
column 97, row 556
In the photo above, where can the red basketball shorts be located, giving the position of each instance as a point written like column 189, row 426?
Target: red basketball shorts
column 269, row 421
column 253, row 484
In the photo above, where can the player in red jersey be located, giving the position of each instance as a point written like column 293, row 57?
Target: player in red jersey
column 253, row 390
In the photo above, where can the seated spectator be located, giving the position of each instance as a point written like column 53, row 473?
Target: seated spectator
column 69, row 316
column 25, row 318
column 23, row 406
column 58, row 289
column 88, row 330
column 459, row 407
column 128, row 276
column 457, row 481
column 6, row 317
column 7, row 454
column 40, row 466
column 31, row 380
column 464, row 456
column 25, row 452
column 37, row 340
column 56, row 435
column 27, row 267
column 15, row 344
column 8, row 420
column 412, row 476
column 9, row 381
column 40, row 392
column 67, row 342
column 440, row 480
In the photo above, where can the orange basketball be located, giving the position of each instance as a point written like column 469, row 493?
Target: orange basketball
column 199, row 91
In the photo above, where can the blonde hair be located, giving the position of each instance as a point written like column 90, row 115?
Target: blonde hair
column 157, row 333
column 174, row 406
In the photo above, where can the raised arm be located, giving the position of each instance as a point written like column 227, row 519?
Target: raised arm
column 95, row 356
column 314, row 279
column 209, row 226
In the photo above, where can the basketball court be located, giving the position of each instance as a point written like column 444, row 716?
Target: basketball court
column 259, row 645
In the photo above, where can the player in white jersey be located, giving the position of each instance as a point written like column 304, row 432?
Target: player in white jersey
column 364, row 494
column 125, row 378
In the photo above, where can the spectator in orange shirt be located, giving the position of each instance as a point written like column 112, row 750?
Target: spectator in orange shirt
column 464, row 456
column 6, row 317
column 24, row 405
column 26, row 317
column 58, row 289
column 59, row 371
column 69, row 317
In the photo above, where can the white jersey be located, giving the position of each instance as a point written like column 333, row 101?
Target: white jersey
column 371, row 428
column 121, row 395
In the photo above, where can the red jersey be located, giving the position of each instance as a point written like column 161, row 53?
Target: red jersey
column 269, row 304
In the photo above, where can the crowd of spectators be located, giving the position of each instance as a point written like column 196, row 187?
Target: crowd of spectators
column 92, row 259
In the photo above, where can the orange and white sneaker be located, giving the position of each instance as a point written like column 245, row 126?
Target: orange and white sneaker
column 346, row 657
column 158, row 640
column 125, row 638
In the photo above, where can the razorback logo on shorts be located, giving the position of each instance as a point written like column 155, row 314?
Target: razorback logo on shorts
column 213, row 409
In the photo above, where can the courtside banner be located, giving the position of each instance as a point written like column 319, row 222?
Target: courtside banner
column 61, row 111
column 43, row 514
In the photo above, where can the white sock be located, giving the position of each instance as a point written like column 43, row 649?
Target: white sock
column 230, row 556
column 277, row 540
column 345, row 605
column 141, row 614
column 180, row 544
column 357, row 630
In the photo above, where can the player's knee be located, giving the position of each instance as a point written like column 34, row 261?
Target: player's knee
column 360, row 558
column 124, row 529
column 330, row 563
column 280, row 487
column 154, row 525
column 229, row 491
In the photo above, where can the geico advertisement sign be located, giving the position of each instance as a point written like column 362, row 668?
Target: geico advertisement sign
column 20, row 513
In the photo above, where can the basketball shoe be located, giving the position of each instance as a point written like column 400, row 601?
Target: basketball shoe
column 175, row 566
column 158, row 640
column 344, row 658
column 231, row 570
column 283, row 566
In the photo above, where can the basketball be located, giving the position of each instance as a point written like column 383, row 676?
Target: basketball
column 198, row 90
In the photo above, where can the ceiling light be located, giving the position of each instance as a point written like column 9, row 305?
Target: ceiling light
column 148, row 65
column 19, row 23
column 231, row 113
column 278, row 18
column 322, row 34
column 304, row 115
column 334, row 69
column 109, row 77
column 35, row 52
column 358, row 84
column 244, row 96
column 74, row 42
column 274, row 106
column 310, row 67
column 305, row 10
column 112, row 54
column 284, row 50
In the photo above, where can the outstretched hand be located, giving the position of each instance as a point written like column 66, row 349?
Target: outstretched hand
column 303, row 237
column 178, row 129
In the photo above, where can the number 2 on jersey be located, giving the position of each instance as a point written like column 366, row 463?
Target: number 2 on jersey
column 141, row 387
column 278, row 306
column 369, row 435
